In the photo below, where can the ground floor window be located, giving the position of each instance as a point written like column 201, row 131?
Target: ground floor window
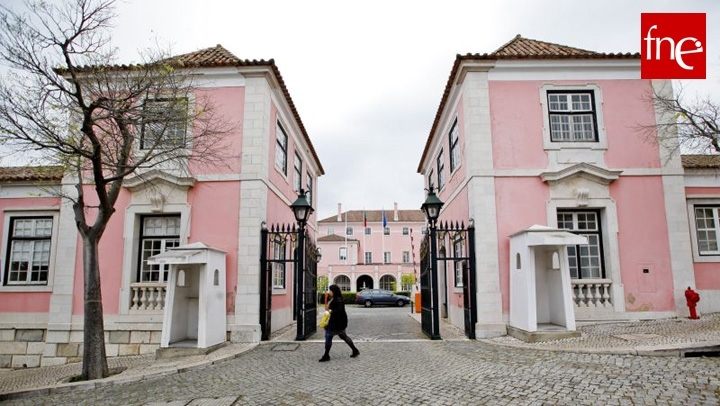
column 28, row 255
column 387, row 282
column 586, row 261
column 343, row 282
column 157, row 234
column 707, row 228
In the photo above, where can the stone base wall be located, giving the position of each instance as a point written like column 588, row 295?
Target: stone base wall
column 31, row 348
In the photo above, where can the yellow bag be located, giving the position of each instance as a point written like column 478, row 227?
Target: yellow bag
column 324, row 320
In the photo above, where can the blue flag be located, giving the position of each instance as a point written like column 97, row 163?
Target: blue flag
column 384, row 219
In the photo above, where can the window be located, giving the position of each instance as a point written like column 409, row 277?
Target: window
column 386, row 230
column 585, row 260
column 459, row 251
column 164, row 123
column 28, row 257
column 707, row 225
column 348, row 231
column 278, row 268
column 368, row 257
column 406, row 257
column 454, row 146
column 368, row 231
column 572, row 116
column 406, row 231
column 386, row 257
column 343, row 254
column 297, row 179
column 330, row 231
column 431, row 180
column 440, row 169
column 343, row 282
column 158, row 233
column 387, row 282
column 308, row 193
column 281, row 145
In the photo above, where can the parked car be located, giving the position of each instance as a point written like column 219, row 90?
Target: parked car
column 372, row 297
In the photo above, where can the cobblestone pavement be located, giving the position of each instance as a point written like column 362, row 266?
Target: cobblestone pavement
column 454, row 371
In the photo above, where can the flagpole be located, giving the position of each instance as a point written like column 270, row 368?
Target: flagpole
column 347, row 254
column 382, row 228
column 363, row 234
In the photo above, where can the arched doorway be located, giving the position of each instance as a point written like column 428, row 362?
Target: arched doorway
column 365, row 282
column 343, row 282
column 388, row 282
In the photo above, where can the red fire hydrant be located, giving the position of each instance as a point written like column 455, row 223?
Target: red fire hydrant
column 692, row 299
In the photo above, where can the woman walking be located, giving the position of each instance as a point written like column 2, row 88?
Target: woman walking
column 337, row 324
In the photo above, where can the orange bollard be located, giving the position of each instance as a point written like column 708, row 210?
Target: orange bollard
column 418, row 304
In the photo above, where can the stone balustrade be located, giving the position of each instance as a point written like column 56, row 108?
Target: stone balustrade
column 592, row 293
column 148, row 297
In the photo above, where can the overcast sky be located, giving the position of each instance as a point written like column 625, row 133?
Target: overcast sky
column 367, row 77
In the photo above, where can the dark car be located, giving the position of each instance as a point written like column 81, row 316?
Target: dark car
column 372, row 297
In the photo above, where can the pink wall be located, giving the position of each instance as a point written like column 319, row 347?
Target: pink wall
column 706, row 273
column 644, row 243
column 514, row 214
column 24, row 301
column 229, row 105
column 217, row 224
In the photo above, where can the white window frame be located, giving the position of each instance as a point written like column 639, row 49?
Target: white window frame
column 454, row 139
column 5, row 285
column 368, row 231
column 309, row 186
column 343, row 282
column 387, row 257
column 386, row 230
column 330, row 231
column 598, row 231
column 166, row 241
column 691, row 206
column 406, row 257
column 169, row 133
column 297, row 176
column 440, row 162
column 281, row 147
column 279, row 274
column 368, row 257
column 406, row 231
column 386, row 282
column 349, row 231
column 342, row 254
column 548, row 144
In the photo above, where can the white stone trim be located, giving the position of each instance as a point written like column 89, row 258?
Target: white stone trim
column 693, row 201
column 218, row 77
column 570, row 69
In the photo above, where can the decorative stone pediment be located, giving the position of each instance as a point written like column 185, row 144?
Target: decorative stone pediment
column 584, row 170
column 156, row 177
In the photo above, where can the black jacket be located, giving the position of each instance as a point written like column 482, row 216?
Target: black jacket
column 338, row 317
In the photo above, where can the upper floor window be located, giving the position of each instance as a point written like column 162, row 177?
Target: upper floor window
column 406, row 231
column 454, row 146
column 368, row 230
column 297, row 179
column 279, row 254
column 281, row 145
column 431, row 179
column 368, row 257
column 406, row 257
column 349, row 231
column 387, row 258
column 572, row 116
column 158, row 233
column 440, row 170
column 164, row 123
column 309, row 186
column 28, row 255
column 386, row 230
column 343, row 254
column 330, row 231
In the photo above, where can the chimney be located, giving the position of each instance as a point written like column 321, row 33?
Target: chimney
column 339, row 216
column 395, row 215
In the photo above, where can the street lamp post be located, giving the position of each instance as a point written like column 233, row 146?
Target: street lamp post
column 431, row 208
column 301, row 209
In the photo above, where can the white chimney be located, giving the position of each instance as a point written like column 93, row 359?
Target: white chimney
column 339, row 216
column 395, row 216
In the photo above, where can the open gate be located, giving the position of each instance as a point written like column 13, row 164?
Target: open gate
column 278, row 259
column 458, row 244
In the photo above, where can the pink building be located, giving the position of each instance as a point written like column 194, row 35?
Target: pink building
column 537, row 133
column 41, row 284
column 358, row 252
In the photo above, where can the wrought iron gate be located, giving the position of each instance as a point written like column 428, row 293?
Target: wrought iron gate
column 458, row 244
column 279, row 258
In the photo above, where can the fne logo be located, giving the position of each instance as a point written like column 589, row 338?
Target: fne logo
column 672, row 46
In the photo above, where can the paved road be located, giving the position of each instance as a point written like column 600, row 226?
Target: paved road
column 417, row 372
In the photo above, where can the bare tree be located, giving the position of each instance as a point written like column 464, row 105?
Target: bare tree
column 687, row 124
column 65, row 98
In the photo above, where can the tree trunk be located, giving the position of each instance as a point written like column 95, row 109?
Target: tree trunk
column 94, row 359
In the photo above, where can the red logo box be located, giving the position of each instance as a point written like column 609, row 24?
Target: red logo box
column 672, row 46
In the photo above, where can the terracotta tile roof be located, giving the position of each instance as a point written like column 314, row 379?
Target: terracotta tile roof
column 375, row 216
column 700, row 161
column 334, row 238
column 517, row 48
column 218, row 56
column 30, row 173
